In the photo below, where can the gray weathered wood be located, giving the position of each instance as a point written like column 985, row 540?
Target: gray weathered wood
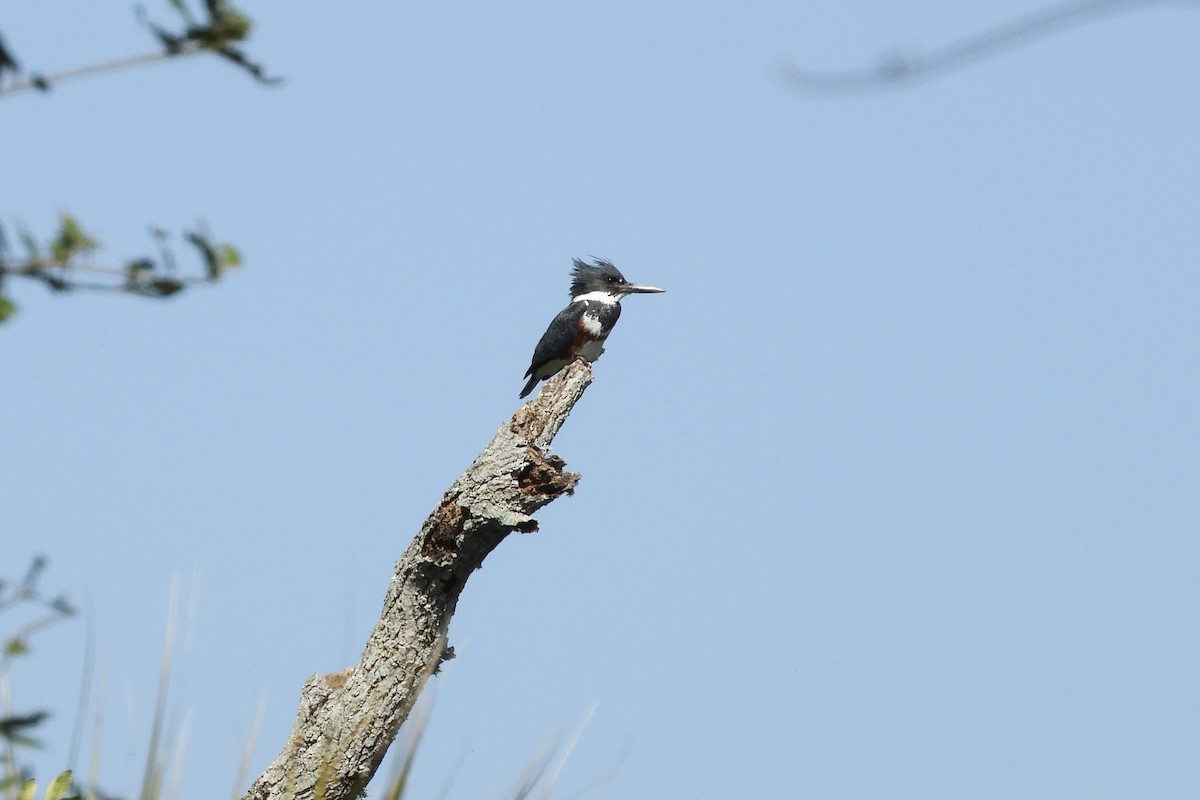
column 347, row 720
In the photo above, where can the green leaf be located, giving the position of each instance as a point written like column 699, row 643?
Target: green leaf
column 233, row 26
column 225, row 25
column 217, row 257
column 18, row 740
column 179, row 6
column 7, row 308
column 71, row 240
column 63, row 606
column 211, row 262
column 15, row 647
column 13, row 725
column 59, row 786
column 165, row 287
column 56, row 283
column 37, row 566
column 30, row 244
column 228, row 255
column 28, row 790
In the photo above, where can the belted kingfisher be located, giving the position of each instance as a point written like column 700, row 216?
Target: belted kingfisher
column 580, row 329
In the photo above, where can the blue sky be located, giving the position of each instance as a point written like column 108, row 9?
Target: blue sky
column 893, row 494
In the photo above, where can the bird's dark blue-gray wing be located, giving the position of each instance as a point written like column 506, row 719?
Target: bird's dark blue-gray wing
column 578, row 330
column 556, row 342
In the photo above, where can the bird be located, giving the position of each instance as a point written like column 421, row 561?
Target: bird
column 580, row 329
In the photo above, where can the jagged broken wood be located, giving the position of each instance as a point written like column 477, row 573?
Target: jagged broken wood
column 347, row 720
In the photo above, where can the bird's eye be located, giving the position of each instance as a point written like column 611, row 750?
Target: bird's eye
column 612, row 279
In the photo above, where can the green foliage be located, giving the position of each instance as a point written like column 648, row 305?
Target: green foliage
column 224, row 26
column 225, row 23
column 14, row 728
column 63, row 263
column 17, row 729
column 57, row 790
column 7, row 61
column 32, row 251
column 182, row 8
column 15, row 647
column 71, row 240
column 57, row 262
column 217, row 257
column 230, row 26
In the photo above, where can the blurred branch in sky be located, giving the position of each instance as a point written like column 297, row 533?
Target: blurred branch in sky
column 224, row 26
column 897, row 70
column 60, row 264
column 18, row 728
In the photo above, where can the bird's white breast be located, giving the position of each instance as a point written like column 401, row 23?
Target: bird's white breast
column 591, row 324
column 591, row 349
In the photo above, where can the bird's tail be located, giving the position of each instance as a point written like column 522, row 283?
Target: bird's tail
column 533, row 379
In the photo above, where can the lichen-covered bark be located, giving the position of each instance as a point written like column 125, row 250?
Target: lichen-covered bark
column 346, row 721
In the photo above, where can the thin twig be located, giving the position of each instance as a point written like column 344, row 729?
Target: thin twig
column 898, row 70
column 45, row 81
column 146, row 283
column 34, row 268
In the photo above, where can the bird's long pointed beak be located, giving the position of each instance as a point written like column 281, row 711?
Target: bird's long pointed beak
column 637, row 288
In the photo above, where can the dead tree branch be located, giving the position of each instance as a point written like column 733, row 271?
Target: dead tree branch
column 347, row 720
column 898, row 70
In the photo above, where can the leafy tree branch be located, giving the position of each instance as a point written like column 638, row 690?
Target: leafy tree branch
column 17, row 728
column 217, row 33
column 63, row 264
